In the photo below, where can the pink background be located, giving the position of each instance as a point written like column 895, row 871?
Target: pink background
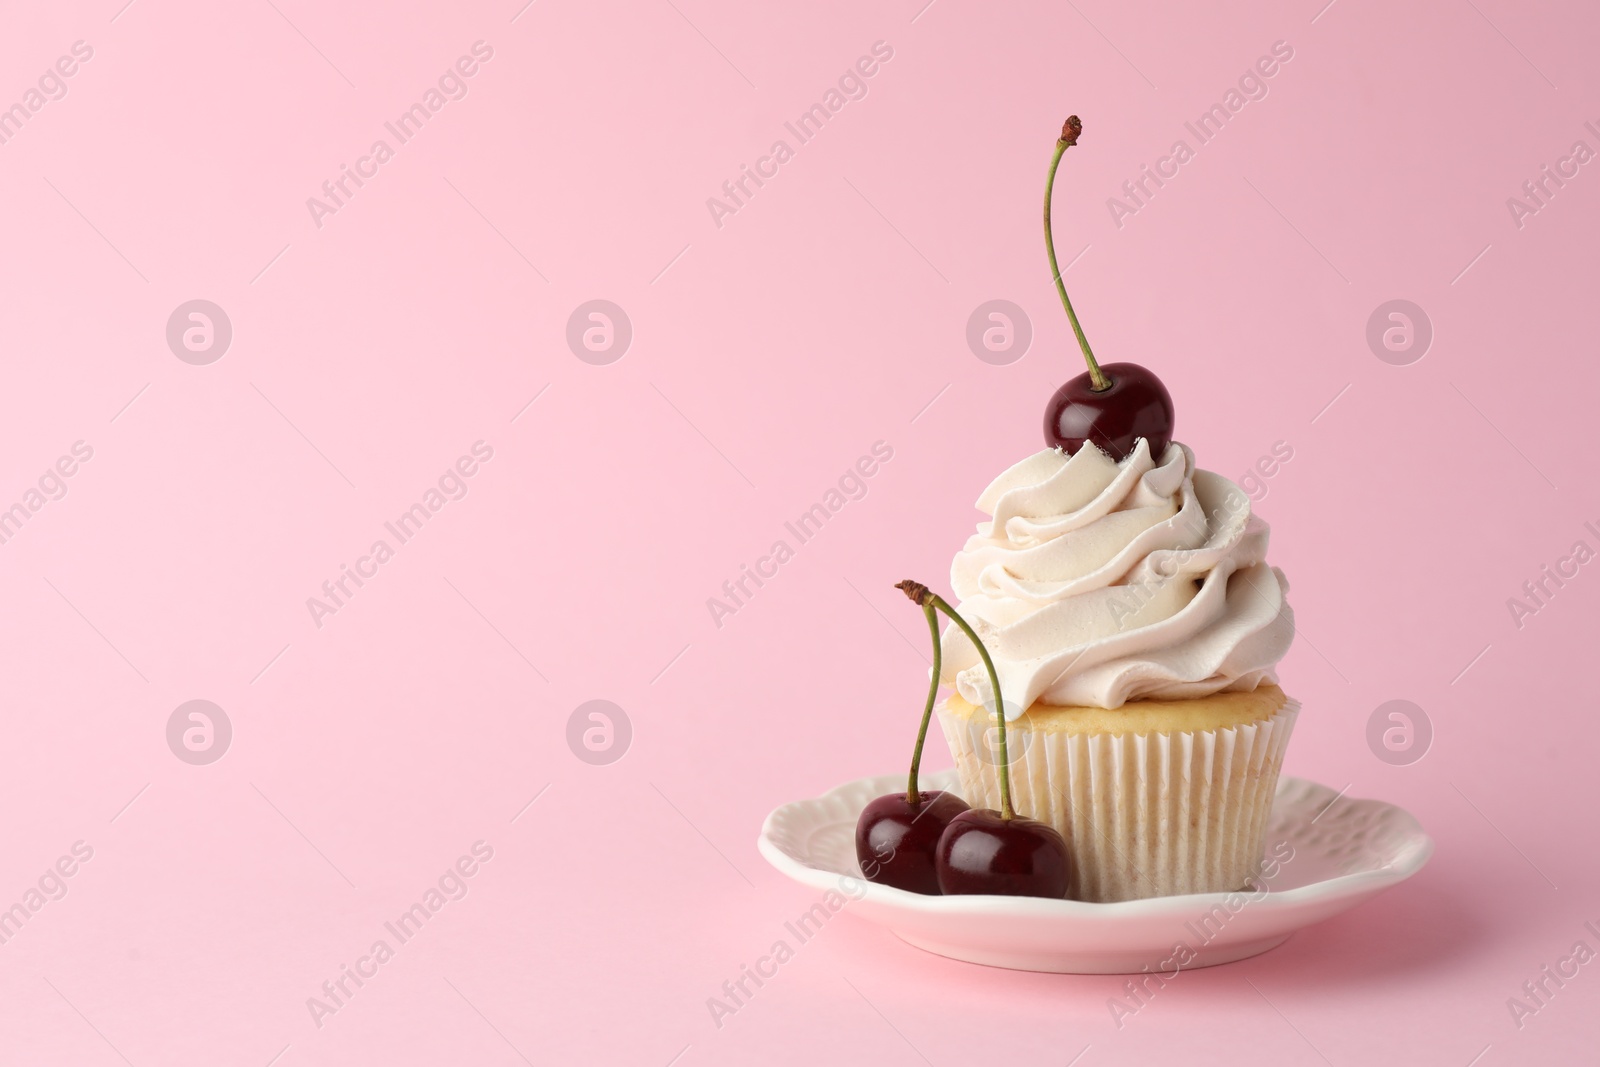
column 768, row 354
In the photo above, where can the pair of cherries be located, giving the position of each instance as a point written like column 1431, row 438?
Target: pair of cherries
column 930, row 841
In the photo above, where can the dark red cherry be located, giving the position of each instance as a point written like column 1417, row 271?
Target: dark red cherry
column 980, row 852
column 1137, row 405
column 896, row 840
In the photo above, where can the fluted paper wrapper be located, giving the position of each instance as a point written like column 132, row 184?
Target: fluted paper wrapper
column 1144, row 815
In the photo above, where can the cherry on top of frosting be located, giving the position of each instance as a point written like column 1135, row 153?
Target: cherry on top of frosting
column 1112, row 406
column 1135, row 404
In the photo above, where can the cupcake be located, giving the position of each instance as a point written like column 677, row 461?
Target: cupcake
column 1135, row 626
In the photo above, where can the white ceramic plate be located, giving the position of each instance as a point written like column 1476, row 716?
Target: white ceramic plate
column 1343, row 851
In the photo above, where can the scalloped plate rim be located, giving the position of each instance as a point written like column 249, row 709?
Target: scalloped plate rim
column 1413, row 856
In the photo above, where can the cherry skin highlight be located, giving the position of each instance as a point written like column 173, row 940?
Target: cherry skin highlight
column 896, row 840
column 983, row 852
column 1136, row 405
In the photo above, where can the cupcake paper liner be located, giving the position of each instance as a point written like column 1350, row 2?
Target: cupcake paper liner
column 1144, row 815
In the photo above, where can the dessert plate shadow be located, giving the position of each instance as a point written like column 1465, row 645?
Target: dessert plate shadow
column 1344, row 850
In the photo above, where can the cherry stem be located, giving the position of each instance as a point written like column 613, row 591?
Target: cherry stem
column 912, row 797
column 928, row 600
column 1006, row 810
column 1069, row 137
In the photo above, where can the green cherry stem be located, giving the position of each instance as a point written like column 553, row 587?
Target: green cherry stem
column 927, row 712
column 1069, row 137
column 1006, row 810
column 930, row 601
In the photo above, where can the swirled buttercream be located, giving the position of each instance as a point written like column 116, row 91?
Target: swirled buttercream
column 1097, row 582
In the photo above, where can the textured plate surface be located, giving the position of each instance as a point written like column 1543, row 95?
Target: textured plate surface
column 1330, row 854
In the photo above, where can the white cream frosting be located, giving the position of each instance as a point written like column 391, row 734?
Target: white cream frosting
column 1099, row 582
